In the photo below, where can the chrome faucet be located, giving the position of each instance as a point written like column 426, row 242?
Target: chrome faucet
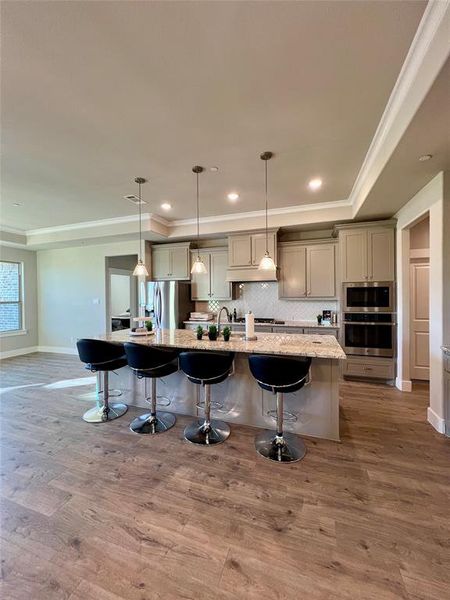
column 219, row 314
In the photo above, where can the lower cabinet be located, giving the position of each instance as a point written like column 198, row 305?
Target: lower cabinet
column 369, row 367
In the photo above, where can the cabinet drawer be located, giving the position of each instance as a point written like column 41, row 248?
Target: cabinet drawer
column 355, row 367
column 321, row 331
column 287, row 329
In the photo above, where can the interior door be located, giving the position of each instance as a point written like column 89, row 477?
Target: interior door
column 420, row 320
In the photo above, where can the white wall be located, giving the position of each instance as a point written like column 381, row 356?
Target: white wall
column 11, row 345
column 429, row 199
column 72, row 293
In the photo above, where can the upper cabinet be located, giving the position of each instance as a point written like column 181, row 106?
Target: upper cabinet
column 247, row 250
column 211, row 285
column 307, row 270
column 171, row 261
column 367, row 253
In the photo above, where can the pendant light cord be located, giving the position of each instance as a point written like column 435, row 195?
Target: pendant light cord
column 198, row 219
column 140, row 222
column 267, row 226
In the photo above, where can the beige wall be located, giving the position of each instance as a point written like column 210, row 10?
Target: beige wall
column 429, row 201
column 16, row 344
column 72, row 292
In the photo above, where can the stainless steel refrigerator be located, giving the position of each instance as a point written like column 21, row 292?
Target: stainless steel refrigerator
column 168, row 303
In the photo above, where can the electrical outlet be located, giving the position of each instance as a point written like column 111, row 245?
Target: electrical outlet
column 96, row 301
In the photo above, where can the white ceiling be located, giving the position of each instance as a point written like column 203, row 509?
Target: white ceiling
column 95, row 93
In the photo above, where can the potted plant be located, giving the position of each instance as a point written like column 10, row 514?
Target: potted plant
column 149, row 326
column 226, row 333
column 212, row 333
column 199, row 331
column 319, row 319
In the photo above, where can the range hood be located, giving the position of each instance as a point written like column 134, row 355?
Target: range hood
column 244, row 275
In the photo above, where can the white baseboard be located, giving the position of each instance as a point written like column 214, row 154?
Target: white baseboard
column 435, row 420
column 58, row 349
column 18, row 352
column 404, row 385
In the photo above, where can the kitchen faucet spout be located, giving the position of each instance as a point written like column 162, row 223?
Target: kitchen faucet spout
column 219, row 314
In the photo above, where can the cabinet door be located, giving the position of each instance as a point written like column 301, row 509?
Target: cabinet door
column 320, row 271
column 179, row 263
column 292, row 282
column 239, row 251
column 353, row 252
column 259, row 247
column 200, row 282
column 380, row 247
column 319, row 331
column 220, row 288
column 161, row 263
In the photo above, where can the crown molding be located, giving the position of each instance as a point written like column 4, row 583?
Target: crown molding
column 272, row 212
column 87, row 224
column 426, row 56
column 12, row 230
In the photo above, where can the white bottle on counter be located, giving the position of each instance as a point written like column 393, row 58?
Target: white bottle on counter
column 249, row 325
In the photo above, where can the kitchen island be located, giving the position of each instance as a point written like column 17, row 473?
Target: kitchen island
column 315, row 406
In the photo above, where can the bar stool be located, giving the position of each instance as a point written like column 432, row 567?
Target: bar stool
column 152, row 363
column 280, row 375
column 101, row 357
column 207, row 369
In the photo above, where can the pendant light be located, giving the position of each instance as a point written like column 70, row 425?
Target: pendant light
column 140, row 269
column 199, row 266
column 267, row 262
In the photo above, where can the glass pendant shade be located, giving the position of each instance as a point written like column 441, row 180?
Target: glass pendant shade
column 266, row 263
column 199, row 266
column 140, row 270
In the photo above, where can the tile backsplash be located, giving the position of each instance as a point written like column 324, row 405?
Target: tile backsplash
column 262, row 299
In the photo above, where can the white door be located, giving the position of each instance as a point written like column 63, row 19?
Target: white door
column 420, row 321
column 220, row 288
column 320, row 271
column 200, row 282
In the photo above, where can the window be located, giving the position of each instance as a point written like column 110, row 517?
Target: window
column 10, row 296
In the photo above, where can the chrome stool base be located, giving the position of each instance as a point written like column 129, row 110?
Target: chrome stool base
column 287, row 416
column 198, row 433
column 146, row 424
column 289, row 448
column 98, row 414
column 93, row 395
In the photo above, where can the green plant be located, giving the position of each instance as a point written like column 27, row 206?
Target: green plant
column 149, row 325
column 212, row 332
column 319, row 319
column 226, row 332
column 199, row 330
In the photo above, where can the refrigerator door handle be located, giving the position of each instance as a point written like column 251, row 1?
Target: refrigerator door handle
column 159, row 305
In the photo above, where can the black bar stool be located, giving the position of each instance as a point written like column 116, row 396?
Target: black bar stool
column 101, row 357
column 152, row 363
column 280, row 375
column 207, row 369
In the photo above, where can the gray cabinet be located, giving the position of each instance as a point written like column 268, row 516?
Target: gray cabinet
column 170, row 261
column 369, row 367
column 307, row 270
column 367, row 254
column 247, row 250
column 211, row 285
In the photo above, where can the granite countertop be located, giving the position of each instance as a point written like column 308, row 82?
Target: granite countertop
column 304, row 324
column 315, row 346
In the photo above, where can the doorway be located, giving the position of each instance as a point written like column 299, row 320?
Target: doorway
column 419, row 282
column 121, row 292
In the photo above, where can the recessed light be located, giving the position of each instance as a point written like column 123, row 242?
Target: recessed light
column 166, row 206
column 315, row 184
column 16, row 204
column 425, row 157
column 213, row 169
column 233, row 196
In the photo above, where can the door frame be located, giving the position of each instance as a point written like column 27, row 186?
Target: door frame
column 133, row 294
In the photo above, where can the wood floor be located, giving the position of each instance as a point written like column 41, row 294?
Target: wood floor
column 98, row 513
